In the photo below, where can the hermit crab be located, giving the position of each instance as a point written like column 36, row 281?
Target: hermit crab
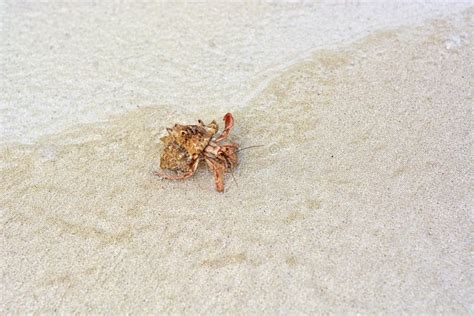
column 186, row 145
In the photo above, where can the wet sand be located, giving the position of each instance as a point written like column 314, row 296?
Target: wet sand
column 359, row 201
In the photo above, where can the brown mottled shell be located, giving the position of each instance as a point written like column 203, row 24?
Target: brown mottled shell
column 184, row 144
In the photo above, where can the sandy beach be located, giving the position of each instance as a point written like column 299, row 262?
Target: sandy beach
column 359, row 200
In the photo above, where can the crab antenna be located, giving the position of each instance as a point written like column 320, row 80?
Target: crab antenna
column 254, row 146
column 232, row 173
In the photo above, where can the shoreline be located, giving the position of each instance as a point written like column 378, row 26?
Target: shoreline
column 57, row 109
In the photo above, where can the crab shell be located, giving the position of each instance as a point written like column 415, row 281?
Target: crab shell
column 184, row 143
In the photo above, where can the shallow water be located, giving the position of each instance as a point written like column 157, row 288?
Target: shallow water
column 80, row 62
column 358, row 201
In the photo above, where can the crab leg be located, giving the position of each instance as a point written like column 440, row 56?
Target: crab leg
column 218, row 170
column 180, row 177
column 229, row 124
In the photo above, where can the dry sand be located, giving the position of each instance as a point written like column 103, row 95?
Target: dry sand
column 359, row 201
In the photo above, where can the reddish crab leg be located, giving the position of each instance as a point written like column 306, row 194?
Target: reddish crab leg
column 229, row 124
column 218, row 170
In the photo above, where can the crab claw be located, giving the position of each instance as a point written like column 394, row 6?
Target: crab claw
column 229, row 124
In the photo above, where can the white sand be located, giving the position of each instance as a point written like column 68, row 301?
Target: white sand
column 360, row 200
